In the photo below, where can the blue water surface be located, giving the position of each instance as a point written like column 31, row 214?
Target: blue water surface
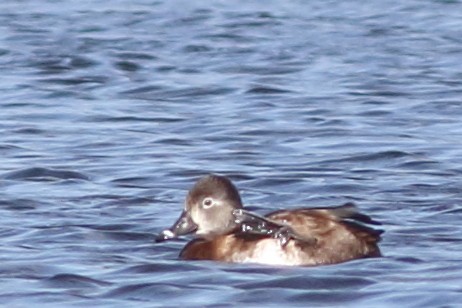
column 110, row 110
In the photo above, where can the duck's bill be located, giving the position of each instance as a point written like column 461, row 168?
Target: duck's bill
column 184, row 225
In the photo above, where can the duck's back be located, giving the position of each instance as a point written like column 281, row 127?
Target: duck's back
column 330, row 235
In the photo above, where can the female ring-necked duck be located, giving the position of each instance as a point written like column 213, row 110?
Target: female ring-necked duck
column 305, row 237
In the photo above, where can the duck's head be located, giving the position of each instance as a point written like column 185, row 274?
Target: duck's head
column 208, row 210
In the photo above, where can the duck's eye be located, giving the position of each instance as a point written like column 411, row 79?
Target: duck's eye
column 207, row 202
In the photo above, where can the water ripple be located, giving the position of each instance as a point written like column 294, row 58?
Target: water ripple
column 44, row 174
column 71, row 281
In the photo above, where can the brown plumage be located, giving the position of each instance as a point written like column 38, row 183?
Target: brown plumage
column 314, row 236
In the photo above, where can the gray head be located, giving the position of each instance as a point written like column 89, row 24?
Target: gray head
column 208, row 209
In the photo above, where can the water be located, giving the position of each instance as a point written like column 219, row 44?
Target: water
column 110, row 110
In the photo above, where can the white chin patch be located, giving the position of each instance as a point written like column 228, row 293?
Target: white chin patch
column 204, row 233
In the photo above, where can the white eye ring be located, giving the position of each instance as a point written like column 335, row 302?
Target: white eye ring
column 207, row 203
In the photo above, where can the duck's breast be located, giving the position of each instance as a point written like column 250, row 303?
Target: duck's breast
column 269, row 251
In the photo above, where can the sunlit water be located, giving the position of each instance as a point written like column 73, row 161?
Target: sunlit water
column 110, row 110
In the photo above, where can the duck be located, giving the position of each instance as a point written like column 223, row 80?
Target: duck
column 224, row 231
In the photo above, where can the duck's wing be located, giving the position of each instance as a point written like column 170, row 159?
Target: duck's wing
column 349, row 211
column 306, row 225
column 322, row 221
column 253, row 224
